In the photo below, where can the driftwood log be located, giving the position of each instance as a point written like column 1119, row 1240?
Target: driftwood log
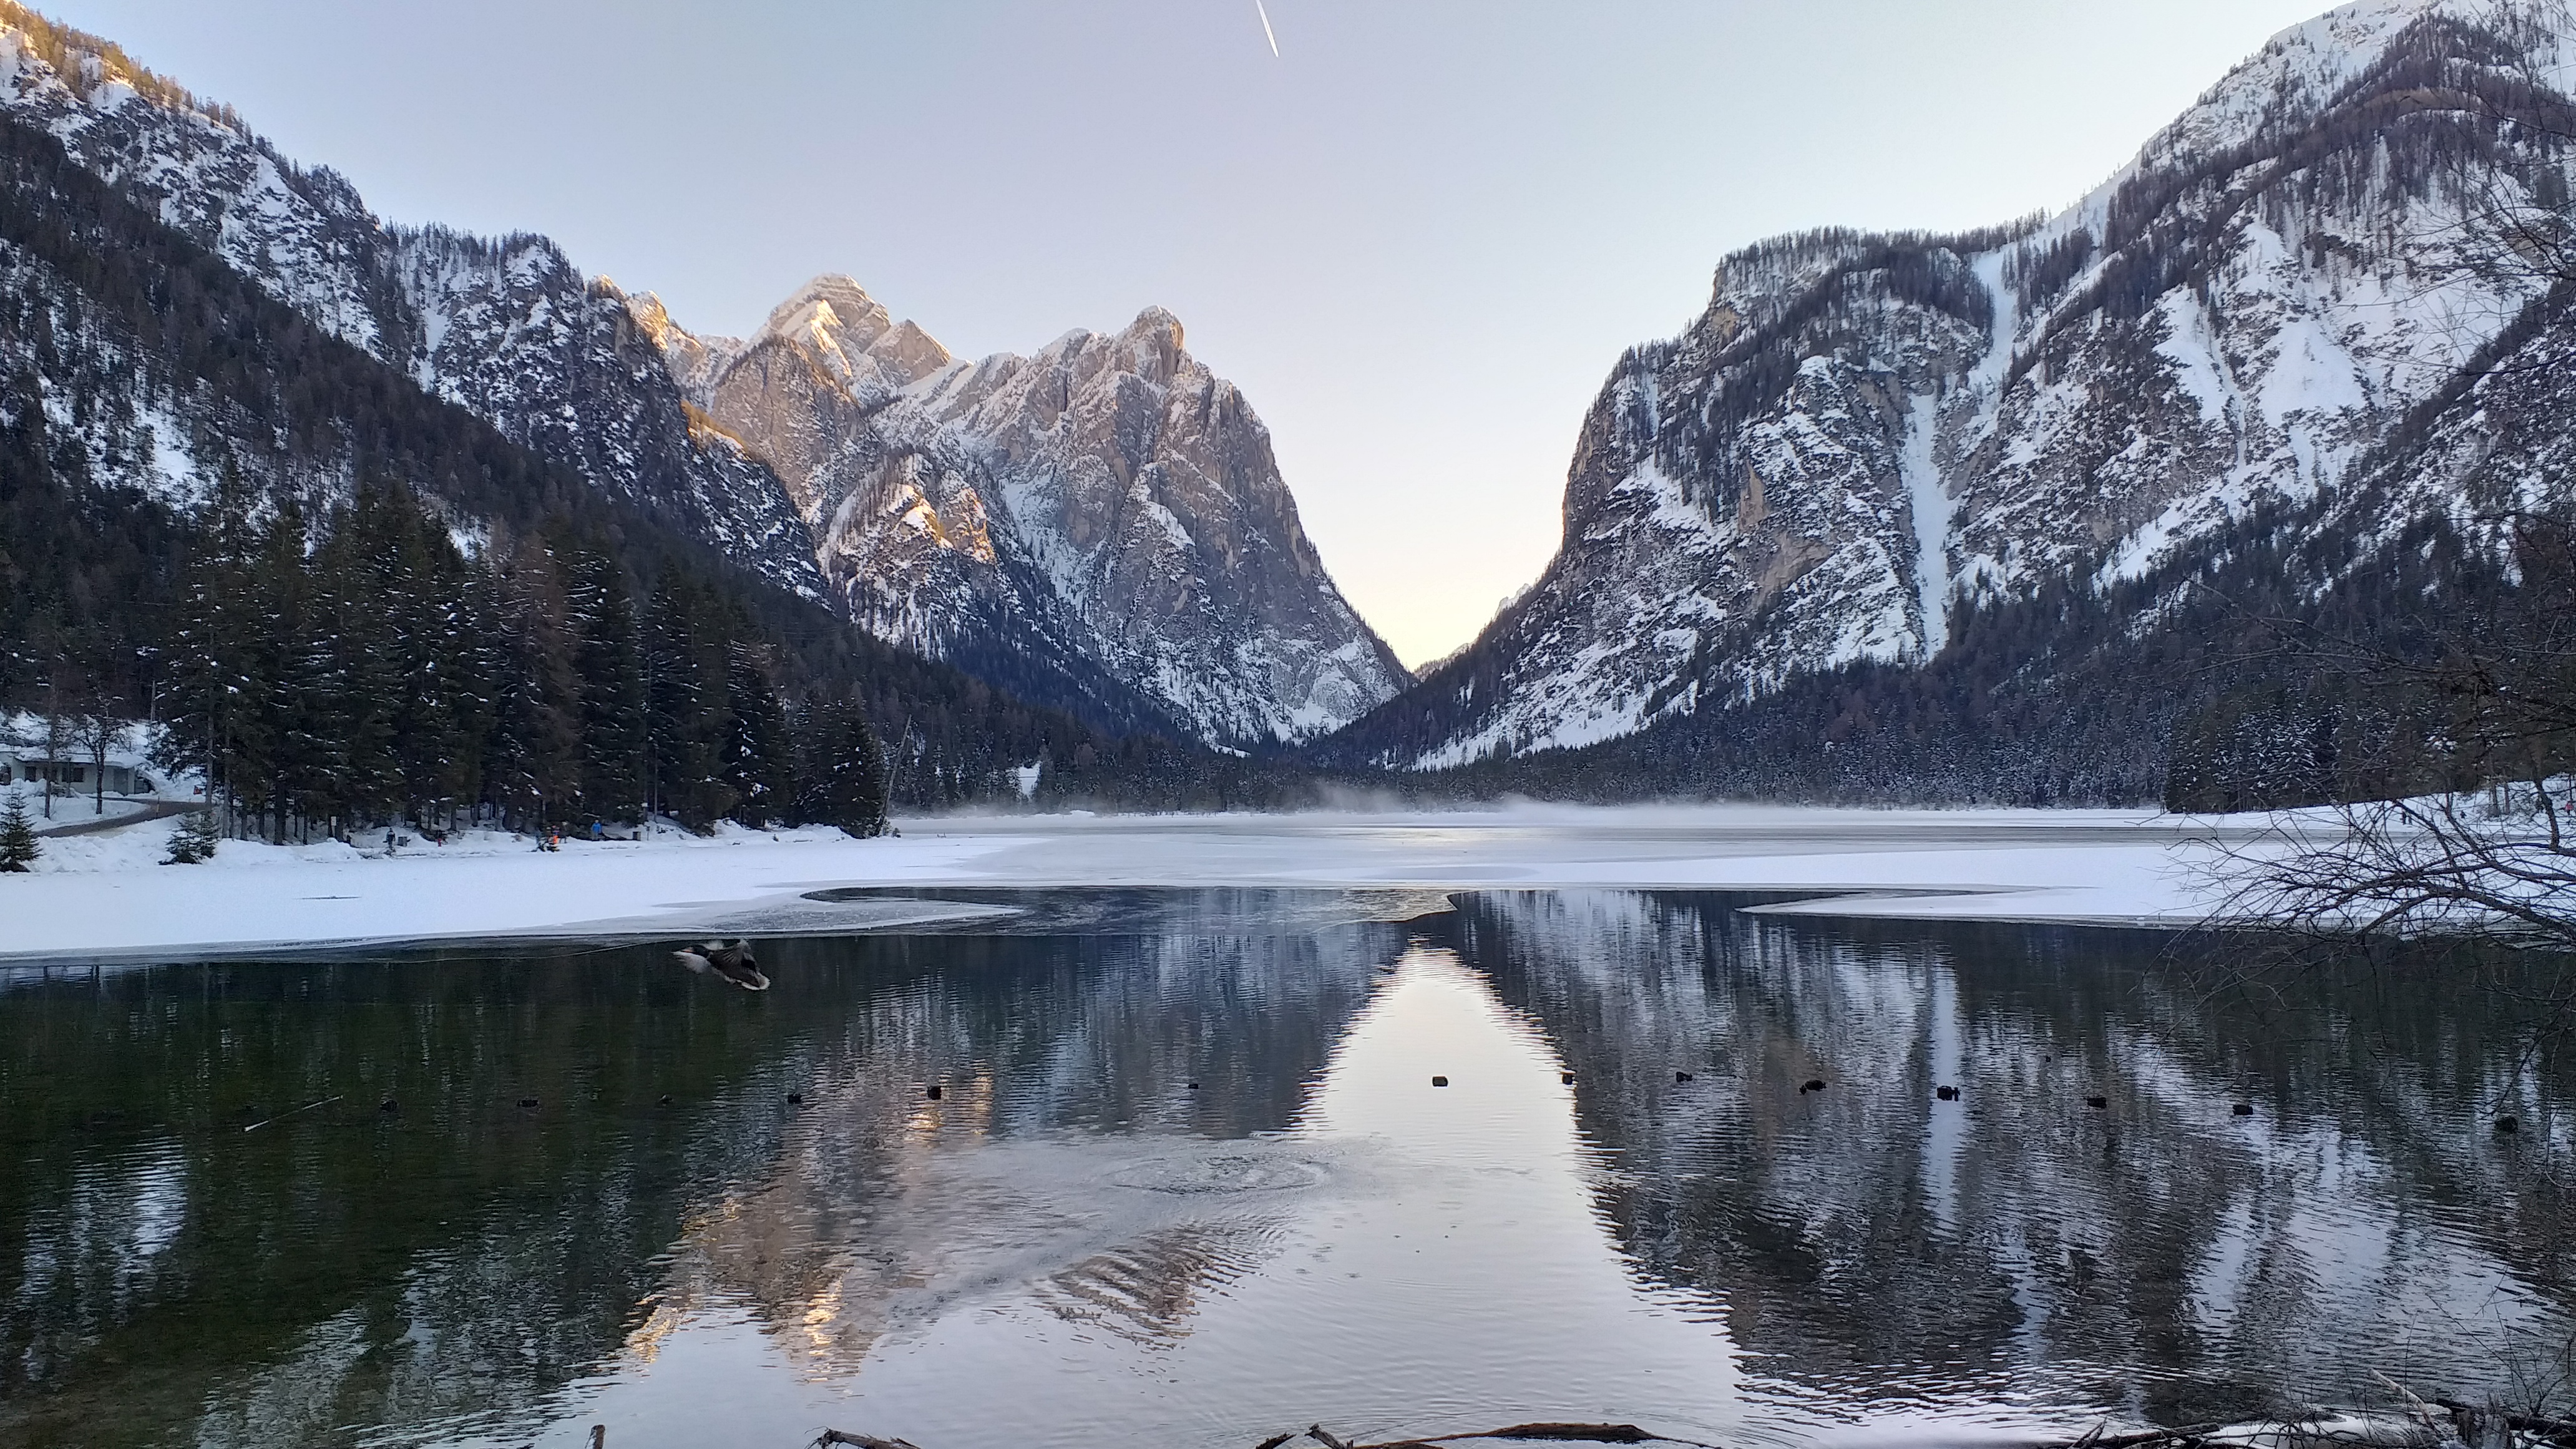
column 1555, row 1433
column 858, row 1441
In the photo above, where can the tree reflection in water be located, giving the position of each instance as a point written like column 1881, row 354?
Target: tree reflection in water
column 1074, row 1238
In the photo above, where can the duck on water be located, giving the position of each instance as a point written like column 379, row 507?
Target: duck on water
column 730, row 960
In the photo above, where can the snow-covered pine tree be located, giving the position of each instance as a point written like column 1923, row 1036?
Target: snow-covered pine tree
column 308, row 764
column 194, row 841
column 412, row 566
column 845, row 769
column 443, row 764
column 18, row 844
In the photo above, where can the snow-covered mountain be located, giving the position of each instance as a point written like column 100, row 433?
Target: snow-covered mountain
column 509, row 329
column 1861, row 431
column 1109, row 496
column 1100, row 527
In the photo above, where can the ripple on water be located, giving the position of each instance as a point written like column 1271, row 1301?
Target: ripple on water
column 1223, row 1173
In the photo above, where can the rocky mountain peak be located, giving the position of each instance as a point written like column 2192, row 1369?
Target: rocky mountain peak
column 1107, row 499
column 1154, row 339
column 833, row 303
column 834, row 320
column 2303, row 69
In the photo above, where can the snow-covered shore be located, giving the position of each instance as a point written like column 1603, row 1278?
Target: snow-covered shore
column 107, row 894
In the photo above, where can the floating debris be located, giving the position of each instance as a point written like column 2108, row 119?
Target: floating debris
column 282, row 1116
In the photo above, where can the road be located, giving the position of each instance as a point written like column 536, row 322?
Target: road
column 156, row 810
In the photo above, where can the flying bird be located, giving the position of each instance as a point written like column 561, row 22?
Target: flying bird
column 1272, row 35
column 728, row 959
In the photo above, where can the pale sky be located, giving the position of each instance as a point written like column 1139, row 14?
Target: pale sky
column 1418, row 238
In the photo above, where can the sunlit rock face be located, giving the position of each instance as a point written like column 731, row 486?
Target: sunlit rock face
column 1863, row 430
column 1108, row 496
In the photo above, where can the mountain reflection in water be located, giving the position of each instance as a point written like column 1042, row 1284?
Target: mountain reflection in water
column 1188, row 1182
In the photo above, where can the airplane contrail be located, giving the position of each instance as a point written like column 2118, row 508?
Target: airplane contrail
column 1265, row 28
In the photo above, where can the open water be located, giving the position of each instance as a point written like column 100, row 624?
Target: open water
column 1189, row 1182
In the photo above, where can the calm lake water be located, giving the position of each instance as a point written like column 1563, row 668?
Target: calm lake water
column 1188, row 1183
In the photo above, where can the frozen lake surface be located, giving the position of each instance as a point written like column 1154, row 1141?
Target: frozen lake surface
column 1188, row 1182
column 107, row 895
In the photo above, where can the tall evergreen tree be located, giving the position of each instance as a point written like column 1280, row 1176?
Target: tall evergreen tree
column 532, row 756
column 450, row 643
column 844, row 769
column 600, row 615
column 417, row 582
column 297, row 739
column 361, row 599
column 686, row 709
column 218, row 680
column 759, row 764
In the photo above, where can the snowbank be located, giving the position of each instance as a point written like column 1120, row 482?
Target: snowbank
column 106, row 894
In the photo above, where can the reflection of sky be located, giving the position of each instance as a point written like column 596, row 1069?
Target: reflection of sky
column 1404, row 1258
column 1074, row 1246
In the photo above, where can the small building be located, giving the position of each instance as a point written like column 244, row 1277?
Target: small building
column 29, row 765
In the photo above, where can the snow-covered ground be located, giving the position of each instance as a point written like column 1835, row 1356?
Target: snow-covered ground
column 107, row 894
